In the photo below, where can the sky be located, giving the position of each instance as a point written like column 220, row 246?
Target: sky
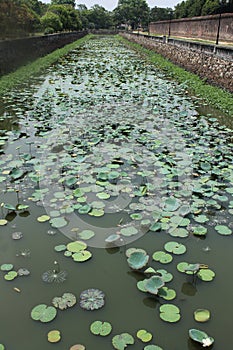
column 111, row 4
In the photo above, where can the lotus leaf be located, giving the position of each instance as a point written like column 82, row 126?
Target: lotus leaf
column 77, row 347
column 179, row 232
column 138, row 260
column 76, row 246
column 201, row 315
column 206, row 275
column 16, row 235
column 96, row 212
column 199, row 230
column 23, row 272
column 54, row 336
column 51, row 276
column 201, row 337
column 9, row 206
column 166, row 293
column 58, row 222
column 86, row 234
column 65, row 301
column 155, row 226
column 85, row 209
column 153, row 284
column 103, row 195
column 101, row 328
column 82, row 255
column 171, row 204
column 92, row 299
column 129, row 251
column 144, row 336
column 112, row 238
column 129, row 231
column 141, row 285
column 60, row 248
column 3, row 222
column 121, row 341
column 175, row 248
column 16, row 173
column 43, row 218
column 152, row 347
column 162, row 257
column 169, row 313
column 6, row 267
column 43, row 313
column 201, row 218
column 166, row 276
column 11, row 275
column 223, row 230
column 150, row 270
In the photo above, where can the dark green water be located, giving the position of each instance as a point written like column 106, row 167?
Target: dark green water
column 91, row 90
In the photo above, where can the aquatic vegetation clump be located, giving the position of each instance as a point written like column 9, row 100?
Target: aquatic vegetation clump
column 52, row 276
column 92, row 299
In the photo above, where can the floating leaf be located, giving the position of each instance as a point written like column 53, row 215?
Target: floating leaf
column 54, row 336
column 77, row 347
column 76, row 246
column 86, row 234
column 138, row 260
column 169, row 313
column 43, row 218
column 223, row 230
column 11, row 275
column 206, row 275
column 144, row 336
column 121, row 341
column 201, row 337
column 129, row 231
column 3, row 222
column 58, row 222
column 67, row 300
column 166, row 293
column 82, row 255
column 175, row 248
column 199, row 230
column 6, row 267
column 43, row 313
column 152, row 347
column 171, row 204
column 60, row 248
column 101, row 328
column 92, row 299
column 153, row 284
column 201, row 315
column 162, row 257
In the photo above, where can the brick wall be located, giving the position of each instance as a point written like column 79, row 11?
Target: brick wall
column 14, row 53
column 204, row 27
column 213, row 69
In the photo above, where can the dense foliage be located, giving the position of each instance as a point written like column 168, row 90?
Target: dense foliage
column 190, row 8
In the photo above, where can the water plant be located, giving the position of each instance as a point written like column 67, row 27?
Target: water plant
column 55, row 275
column 92, row 299
column 201, row 337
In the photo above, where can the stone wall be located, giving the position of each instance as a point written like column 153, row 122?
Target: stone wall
column 15, row 53
column 204, row 27
column 213, row 69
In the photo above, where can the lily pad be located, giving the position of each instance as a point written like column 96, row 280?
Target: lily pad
column 77, row 347
column 153, row 284
column 201, row 315
column 223, row 230
column 3, row 222
column 76, row 246
column 206, row 275
column 43, row 218
column 201, row 337
column 138, row 260
column 11, row 275
column 58, row 222
column 129, row 231
column 162, row 257
column 121, row 341
column 152, row 347
column 60, row 248
column 144, row 336
column 54, row 336
column 175, row 248
column 67, row 300
column 43, row 313
column 169, row 313
column 82, row 255
column 6, row 267
column 101, row 328
column 86, row 234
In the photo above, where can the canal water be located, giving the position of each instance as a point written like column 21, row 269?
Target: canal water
column 103, row 149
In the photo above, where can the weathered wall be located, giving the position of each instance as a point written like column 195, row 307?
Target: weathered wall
column 204, row 27
column 215, row 70
column 14, row 53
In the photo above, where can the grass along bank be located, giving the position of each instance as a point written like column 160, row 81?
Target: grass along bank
column 214, row 96
column 24, row 73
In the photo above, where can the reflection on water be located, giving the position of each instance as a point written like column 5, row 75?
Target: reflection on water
column 189, row 289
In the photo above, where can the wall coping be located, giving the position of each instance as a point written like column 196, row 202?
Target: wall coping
column 193, row 19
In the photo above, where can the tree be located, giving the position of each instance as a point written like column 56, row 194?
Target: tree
column 63, row 2
column 68, row 16
column 51, row 22
column 100, row 17
column 210, row 7
column 16, row 18
column 132, row 12
column 160, row 14
column 83, row 15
